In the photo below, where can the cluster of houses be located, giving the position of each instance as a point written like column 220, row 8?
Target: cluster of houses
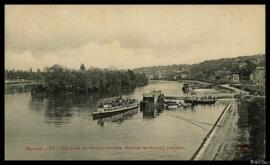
column 257, row 77
column 164, row 75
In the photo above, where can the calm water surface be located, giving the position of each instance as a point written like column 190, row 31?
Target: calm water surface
column 62, row 128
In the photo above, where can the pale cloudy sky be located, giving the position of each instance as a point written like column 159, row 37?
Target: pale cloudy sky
column 129, row 36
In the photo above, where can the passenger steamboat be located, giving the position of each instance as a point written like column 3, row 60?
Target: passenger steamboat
column 115, row 105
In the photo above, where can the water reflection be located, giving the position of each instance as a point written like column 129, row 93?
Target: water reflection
column 58, row 116
column 118, row 118
column 151, row 112
column 60, row 108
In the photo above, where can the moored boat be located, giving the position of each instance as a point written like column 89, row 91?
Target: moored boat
column 185, row 88
column 193, row 101
column 114, row 105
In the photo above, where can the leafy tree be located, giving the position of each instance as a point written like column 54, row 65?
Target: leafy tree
column 82, row 67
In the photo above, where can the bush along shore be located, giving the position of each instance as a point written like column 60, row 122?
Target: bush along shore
column 58, row 79
column 252, row 120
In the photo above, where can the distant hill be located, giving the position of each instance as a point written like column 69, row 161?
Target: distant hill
column 206, row 70
column 167, row 68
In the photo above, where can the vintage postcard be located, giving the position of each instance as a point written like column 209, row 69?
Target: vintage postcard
column 135, row 82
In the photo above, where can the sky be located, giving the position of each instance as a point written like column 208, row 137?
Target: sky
column 129, row 36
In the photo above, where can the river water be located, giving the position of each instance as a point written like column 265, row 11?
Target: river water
column 62, row 128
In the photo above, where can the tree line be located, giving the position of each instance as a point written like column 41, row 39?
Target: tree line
column 57, row 78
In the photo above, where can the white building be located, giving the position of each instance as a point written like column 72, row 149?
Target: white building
column 235, row 78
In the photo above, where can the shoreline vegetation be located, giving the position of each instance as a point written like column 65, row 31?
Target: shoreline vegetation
column 57, row 79
column 252, row 128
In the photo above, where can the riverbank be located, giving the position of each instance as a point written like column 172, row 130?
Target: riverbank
column 21, row 87
column 196, row 84
column 196, row 81
column 222, row 145
column 252, row 89
column 209, row 147
column 241, row 133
